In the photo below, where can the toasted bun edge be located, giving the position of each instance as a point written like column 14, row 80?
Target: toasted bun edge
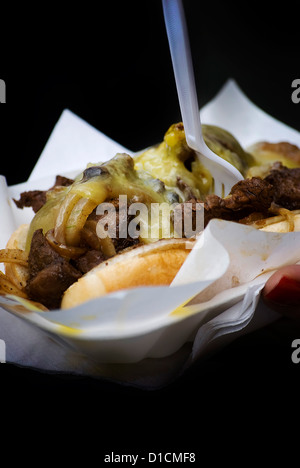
column 155, row 265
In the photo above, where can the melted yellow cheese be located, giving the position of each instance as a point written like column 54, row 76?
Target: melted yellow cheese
column 96, row 185
column 168, row 163
column 168, row 173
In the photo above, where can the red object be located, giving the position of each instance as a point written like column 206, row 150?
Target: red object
column 286, row 292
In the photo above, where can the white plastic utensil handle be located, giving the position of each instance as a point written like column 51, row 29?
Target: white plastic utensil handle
column 223, row 172
column 183, row 70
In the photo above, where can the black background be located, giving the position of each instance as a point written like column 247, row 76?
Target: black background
column 110, row 65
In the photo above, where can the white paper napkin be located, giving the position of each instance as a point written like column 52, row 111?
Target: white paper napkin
column 76, row 143
column 233, row 111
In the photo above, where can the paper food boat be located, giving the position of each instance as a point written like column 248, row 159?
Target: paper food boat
column 226, row 270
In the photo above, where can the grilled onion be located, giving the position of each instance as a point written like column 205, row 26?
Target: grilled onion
column 7, row 287
column 63, row 249
column 63, row 216
column 14, row 256
column 77, row 220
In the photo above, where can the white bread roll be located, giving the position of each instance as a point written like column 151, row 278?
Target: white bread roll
column 147, row 265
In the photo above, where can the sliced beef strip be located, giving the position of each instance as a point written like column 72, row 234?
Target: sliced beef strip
column 62, row 181
column 49, row 273
column 41, row 254
column 89, row 260
column 286, row 184
column 33, row 198
column 48, row 286
column 120, row 243
column 251, row 199
column 37, row 198
column 123, row 243
column 247, row 196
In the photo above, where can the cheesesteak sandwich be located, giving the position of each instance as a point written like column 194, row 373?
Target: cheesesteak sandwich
column 100, row 233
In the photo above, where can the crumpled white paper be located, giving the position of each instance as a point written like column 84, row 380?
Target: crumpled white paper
column 147, row 343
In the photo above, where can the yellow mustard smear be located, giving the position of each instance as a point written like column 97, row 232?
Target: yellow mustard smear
column 183, row 310
column 25, row 305
column 22, row 305
column 67, row 330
